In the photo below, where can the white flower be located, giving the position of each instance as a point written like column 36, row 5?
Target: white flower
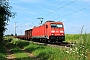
column 65, row 46
column 76, row 48
column 67, row 51
column 82, row 54
column 85, row 56
column 77, row 52
column 73, row 51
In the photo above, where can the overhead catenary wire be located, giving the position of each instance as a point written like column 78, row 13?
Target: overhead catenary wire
column 60, row 8
column 85, row 3
column 74, row 12
column 71, row 12
column 51, row 11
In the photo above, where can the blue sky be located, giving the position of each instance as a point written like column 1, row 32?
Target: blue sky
column 73, row 13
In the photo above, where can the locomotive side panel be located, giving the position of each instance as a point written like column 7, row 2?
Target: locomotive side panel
column 47, row 30
column 38, row 32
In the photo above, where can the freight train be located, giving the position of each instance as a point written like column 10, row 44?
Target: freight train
column 50, row 31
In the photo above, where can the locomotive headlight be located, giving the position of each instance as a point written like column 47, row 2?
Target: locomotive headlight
column 61, row 32
column 52, row 34
column 52, row 31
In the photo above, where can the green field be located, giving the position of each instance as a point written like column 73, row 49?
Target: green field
column 23, row 50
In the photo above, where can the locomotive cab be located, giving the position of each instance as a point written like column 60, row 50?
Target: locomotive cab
column 55, row 31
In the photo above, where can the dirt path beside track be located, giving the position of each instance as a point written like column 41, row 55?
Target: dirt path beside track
column 10, row 55
column 30, row 55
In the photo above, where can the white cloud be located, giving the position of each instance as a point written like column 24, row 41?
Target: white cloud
column 30, row 12
column 27, row 24
column 77, row 0
column 32, row 1
column 22, row 9
column 23, row 1
column 15, row 1
column 63, row 20
column 48, row 10
column 85, row 0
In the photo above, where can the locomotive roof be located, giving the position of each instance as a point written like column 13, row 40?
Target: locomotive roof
column 50, row 21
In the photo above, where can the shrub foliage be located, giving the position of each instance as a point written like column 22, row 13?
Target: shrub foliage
column 5, row 14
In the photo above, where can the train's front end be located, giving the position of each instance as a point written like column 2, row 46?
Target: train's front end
column 57, row 32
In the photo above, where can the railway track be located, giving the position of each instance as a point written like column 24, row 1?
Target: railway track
column 62, row 44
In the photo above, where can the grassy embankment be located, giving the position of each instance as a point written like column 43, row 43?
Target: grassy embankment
column 39, row 51
column 17, row 51
column 80, row 51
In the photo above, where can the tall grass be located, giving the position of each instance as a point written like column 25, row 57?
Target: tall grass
column 2, row 52
column 82, row 46
column 79, row 51
column 14, row 46
column 49, row 53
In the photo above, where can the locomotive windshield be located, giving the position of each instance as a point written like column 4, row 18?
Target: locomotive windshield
column 56, row 26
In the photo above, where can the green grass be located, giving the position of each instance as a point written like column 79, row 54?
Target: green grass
column 71, row 37
column 82, row 44
column 80, row 51
column 78, row 38
column 19, row 54
column 2, row 52
column 49, row 53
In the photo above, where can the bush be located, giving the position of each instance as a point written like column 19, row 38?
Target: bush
column 2, row 52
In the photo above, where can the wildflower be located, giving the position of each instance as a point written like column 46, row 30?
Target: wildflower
column 85, row 56
column 67, row 51
column 71, row 49
column 66, row 47
column 77, row 52
column 83, row 46
column 76, row 48
column 82, row 54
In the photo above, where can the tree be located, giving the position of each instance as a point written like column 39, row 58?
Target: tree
column 5, row 14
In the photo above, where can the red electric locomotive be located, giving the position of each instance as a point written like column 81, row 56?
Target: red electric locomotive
column 50, row 31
